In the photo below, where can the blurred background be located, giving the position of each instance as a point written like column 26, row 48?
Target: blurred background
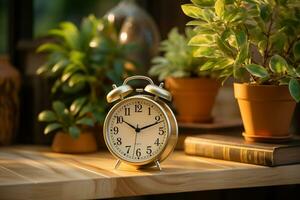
column 24, row 24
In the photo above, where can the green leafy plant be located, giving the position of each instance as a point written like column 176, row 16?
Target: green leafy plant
column 177, row 60
column 83, row 61
column 69, row 120
column 255, row 41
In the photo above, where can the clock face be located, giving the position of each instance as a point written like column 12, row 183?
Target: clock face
column 136, row 130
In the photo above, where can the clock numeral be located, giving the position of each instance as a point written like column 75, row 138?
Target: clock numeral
column 116, row 130
column 127, row 111
column 119, row 141
column 157, row 142
column 138, row 108
column 149, row 111
column 138, row 152
column 120, row 119
column 161, row 131
column 149, row 150
column 128, row 148
column 157, row 118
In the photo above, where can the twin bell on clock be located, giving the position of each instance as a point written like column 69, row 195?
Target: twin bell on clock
column 140, row 129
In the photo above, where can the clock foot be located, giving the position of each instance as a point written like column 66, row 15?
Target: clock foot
column 117, row 164
column 158, row 165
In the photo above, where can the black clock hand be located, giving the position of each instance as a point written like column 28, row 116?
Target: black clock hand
column 129, row 125
column 150, row 125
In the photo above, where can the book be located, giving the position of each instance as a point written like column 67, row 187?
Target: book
column 235, row 148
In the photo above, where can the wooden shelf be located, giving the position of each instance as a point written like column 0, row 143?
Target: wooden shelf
column 32, row 172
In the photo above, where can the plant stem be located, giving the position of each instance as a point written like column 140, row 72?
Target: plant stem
column 266, row 52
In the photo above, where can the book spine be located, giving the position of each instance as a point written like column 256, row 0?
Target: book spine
column 228, row 152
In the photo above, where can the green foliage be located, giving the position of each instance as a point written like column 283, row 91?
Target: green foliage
column 83, row 62
column 259, row 40
column 177, row 60
column 69, row 120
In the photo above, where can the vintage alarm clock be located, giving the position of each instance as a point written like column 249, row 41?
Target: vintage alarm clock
column 141, row 129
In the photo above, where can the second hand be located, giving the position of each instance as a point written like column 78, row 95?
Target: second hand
column 135, row 137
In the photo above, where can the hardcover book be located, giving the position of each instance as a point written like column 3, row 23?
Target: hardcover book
column 235, row 148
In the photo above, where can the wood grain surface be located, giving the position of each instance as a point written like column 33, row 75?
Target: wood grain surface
column 31, row 172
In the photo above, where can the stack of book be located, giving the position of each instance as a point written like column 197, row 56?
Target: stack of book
column 235, row 148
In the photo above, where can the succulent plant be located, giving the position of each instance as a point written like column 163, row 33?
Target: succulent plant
column 69, row 120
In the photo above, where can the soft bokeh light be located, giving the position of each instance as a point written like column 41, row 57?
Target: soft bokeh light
column 123, row 36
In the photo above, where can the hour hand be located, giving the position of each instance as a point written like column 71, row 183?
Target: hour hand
column 129, row 125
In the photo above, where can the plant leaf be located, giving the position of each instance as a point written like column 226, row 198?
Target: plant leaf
column 203, row 2
column 207, row 65
column 60, row 65
column 278, row 41
column 76, row 106
column 208, row 15
column 42, row 69
column 52, row 127
column 74, row 132
column 296, row 50
column 71, row 34
column 241, row 38
column 219, row 7
column 204, row 52
column 75, row 79
column 194, row 23
column 192, row 11
column 278, row 64
column 225, row 47
column 85, row 121
column 223, row 63
column 50, row 47
column 257, row 70
column 86, row 109
column 58, row 107
column 201, row 40
column 47, row 116
column 243, row 54
column 294, row 87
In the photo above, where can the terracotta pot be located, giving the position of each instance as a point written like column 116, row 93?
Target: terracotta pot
column 193, row 98
column 266, row 111
column 64, row 143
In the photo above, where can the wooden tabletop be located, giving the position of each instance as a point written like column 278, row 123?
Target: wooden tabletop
column 31, row 172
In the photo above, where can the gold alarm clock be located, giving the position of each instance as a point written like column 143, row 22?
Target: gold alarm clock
column 140, row 129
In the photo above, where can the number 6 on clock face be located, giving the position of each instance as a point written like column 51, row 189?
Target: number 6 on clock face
column 137, row 130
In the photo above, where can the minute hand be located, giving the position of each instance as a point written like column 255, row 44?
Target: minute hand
column 150, row 125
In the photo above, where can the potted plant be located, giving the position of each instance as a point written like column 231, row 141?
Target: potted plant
column 71, row 137
column 83, row 62
column 180, row 71
column 258, row 44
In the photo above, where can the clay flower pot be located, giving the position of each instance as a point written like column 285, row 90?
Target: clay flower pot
column 64, row 143
column 266, row 111
column 193, row 98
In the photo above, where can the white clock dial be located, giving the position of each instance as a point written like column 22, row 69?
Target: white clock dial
column 137, row 130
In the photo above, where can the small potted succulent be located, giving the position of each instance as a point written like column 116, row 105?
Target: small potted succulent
column 68, row 122
column 258, row 44
column 194, row 91
column 83, row 62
